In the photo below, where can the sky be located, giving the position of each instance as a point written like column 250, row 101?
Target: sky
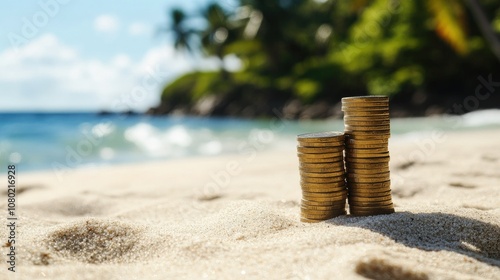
column 76, row 55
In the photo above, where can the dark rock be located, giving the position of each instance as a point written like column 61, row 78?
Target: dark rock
column 292, row 109
column 206, row 105
column 335, row 111
column 316, row 111
column 104, row 113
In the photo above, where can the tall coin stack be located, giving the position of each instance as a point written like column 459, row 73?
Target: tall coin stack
column 367, row 132
column 322, row 175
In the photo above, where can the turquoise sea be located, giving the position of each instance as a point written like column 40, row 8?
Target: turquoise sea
column 43, row 141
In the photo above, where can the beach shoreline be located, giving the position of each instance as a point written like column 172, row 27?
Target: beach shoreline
column 238, row 216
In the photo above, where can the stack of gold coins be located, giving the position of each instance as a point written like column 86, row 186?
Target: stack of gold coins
column 367, row 132
column 322, row 175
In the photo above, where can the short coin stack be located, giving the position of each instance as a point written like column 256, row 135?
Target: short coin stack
column 322, row 175
column 367, row 132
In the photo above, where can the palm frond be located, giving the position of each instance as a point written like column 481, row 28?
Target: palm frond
column 449, row 18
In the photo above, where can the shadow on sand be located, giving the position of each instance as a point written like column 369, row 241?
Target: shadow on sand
column 434, row 232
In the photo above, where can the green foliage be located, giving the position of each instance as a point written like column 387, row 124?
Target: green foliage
column 191, row 86
column 325, row 50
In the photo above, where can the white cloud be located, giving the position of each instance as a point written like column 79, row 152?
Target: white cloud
column 138, row 29
column 106, row 23
column 46, row 74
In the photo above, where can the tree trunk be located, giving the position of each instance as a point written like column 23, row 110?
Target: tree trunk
column 484, row 26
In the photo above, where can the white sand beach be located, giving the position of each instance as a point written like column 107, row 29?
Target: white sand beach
column 237, row 217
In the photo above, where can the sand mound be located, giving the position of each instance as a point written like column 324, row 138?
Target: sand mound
column 72, row 206
column 94, row 241
column 244, row 220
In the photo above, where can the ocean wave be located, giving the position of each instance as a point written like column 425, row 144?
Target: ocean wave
column 482, row 118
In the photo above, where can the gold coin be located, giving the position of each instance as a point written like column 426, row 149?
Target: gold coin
column 321, row 160
column 322, row 175
column 354, row 182
column 354, row 166
column 365, row 99
column 357, row 175
column 316, row 212
column 324, row 217
column 369, row 187
column 378, row 199
column 376, row 109
column 348, row 118
column 365, row 154
column 353, row 177
column 339, row 168
column 367, row 132
column 356, row 110
column 321, row 165
column 370, row 198
column 321, row 203
column 324, row 194
column 318, row 190
column 304, row 179
column 323, row 208
column 333, row 192
column 323, row 171
column 381, row 204
column 368, row 190
column 319, row 150
column 330, row 136
column 368, row 146
column 340, row 182
column 365, row 195
column 321, row 144
column 362, row 128
column 373, row 186
column 350, row 160
column 323, row 155
column 337, row 189
column 365, row 104
column 369, row 115
column 366, row 123
column 367, row 179
column 352, row 141
column 359, row 171
column 382, row 150
column 368, row 208
column 378, row 137
column 325, row 199
column 356, row 212
column 307, row 211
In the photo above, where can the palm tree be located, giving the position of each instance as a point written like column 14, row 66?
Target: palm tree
column 183, row 34
column 220, row 31
column 485, row 26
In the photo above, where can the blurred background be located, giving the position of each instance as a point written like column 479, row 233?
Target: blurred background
column 89, row 84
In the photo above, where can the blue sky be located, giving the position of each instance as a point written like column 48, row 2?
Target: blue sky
column 65, row 55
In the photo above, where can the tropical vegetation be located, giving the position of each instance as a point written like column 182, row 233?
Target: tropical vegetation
column 422, row 53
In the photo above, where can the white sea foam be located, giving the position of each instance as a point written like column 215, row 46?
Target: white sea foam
column 147, row 138
column 482, row 118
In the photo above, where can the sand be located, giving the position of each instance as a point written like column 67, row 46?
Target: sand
column 237, row 217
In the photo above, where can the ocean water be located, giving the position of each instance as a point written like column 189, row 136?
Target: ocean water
column 44, row 141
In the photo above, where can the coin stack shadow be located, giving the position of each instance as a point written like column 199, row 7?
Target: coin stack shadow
column 322, row 175
column 367, row 132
